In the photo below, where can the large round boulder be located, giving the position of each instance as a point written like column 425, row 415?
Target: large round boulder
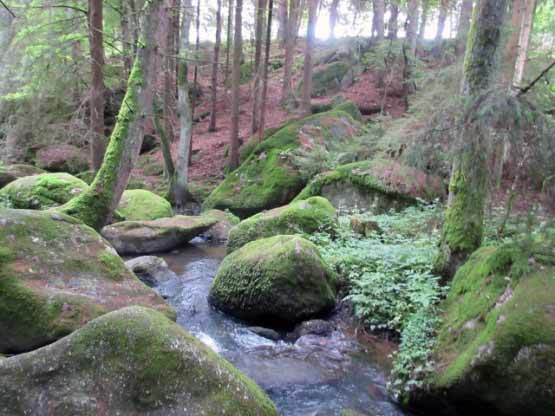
column 300, row 217
column 164, row 234
column 268, row 178
column 142, row 205
column 62, row 158
column 130, row 362
column 495, row 350
column 376, row 186
column 42, row 191
column 278, row 280
column 56, row 274
column 10, row 173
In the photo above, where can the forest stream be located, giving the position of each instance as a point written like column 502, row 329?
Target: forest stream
column 313, row 376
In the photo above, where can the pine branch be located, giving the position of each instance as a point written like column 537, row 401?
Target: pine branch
column 540, row 76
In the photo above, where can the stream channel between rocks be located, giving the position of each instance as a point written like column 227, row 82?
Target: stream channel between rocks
column 314, row 376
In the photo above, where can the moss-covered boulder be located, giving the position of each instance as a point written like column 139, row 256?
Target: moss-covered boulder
column 268, row 179
column 495, row 351
column 10, row 173
column 276, row 280
column 219, row 232
column 62, row 158
column 301, row 217
column 56, row 274
column 133, row 361
column 42, row 191
column 142, row 205
column 376, row 186
column 164, row 234
column 329, row 78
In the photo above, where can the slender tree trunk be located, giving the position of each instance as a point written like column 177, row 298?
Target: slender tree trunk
column 265, row 76
column 523, row 42
column 424, row 19
column 125, row 38
column 179, row 193
column 235, row 85
column 228, row 40
column 135, row 25
column 97, row 204
column 260, row 12
column 287, row 90
column 443, row 10
column 98, row 140
column 309, row 50
column 464, row 218
column 379, row 12
column 464, row 25
column 282, row 16
column 169, row 65
column 411, row 27
column 333, row 17
column 212, row 126
column 393, row 26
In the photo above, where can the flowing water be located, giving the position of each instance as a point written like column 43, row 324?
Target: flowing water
column 315, row 376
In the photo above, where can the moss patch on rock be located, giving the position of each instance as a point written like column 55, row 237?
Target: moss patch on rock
column 496, row 345
column 300, row 217
column 328, row 78
column 42, row 191
column 140, row 205
column 277, row 280
column 57, row 274
column 376, row 185
column 268, row 179
column 131, row 361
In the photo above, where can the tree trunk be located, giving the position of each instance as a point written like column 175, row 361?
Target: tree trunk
column 523, row 42
column 424, row 19
column 212, row 126
column 98, row 140
column 464, row 218
column 309, row 50
column 265, row 76
column 287, row 91
column 464, row 25
column 379, row 12
column 411, row 26
column 97, row 204
column 169, row 65
column 333, row 17
column 393, row 25
column 179, row 193
column 282, row 16
column 443, row 10
column 125, row 38
column 228, row 40
column 260, row 12
column 235, row 85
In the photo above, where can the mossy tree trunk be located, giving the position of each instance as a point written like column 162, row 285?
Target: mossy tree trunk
column 464, row 219
column 96, row 206
column 464, row 24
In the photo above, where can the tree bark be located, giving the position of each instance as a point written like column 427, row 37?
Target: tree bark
column 125, row 38
column 282, row 16
column 265, row 76
column 228, row 42
column 260, row 12
column 333, row 17
column 393, row 25
column 235, row 85
column 287, row 91
column 309, row 50
column 442, row 17
column 97, row 204
column 464, row 25
column 523, row 42
column 179, row 193
column 424, row 19
column 212, row 125
column 464, row 218
column 379, row 12
column 98, row 140
column 411, row 26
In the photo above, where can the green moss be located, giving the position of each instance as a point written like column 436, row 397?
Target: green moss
column 141, row 205
column 114, row 266
column 267, row 179
column 42, row 191
column 301, row 217
column 327, row 78
column 94, row 206
column 351, row 108
column 279, row 279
